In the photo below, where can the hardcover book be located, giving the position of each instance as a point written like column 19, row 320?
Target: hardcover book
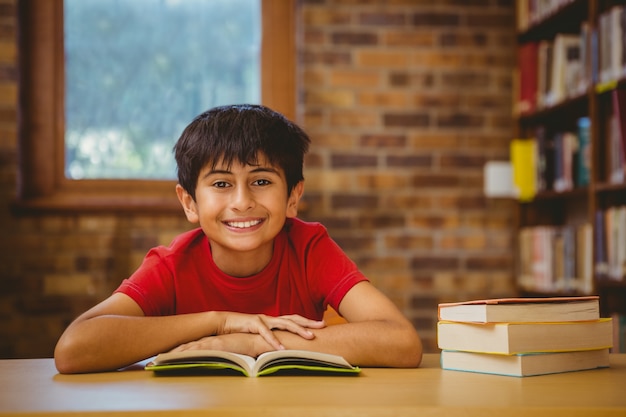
column 525, row 364
column 513, row 338
column 552, row 309
column 524, row 163
column 207, row 361
column 527, row 87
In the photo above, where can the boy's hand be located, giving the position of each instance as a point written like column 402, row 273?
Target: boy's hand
column 243, row 343
column 263, row 325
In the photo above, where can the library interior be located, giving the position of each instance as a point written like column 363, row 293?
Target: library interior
column 407, row 103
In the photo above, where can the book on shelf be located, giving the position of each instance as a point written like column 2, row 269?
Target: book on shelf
column 615, row 242
column 617, row 137
column 529, row 309
column 545, row 159
column 556, row 258
column 600, row 257
column 527, row 78
column 532, row 12
column 566, row 147
column 619, row 333
column 611, row 33
column 584, row 259
column 536, row 249
column 565, row 68
column 561, row 160
column 514, row 338
column 280, row 361
column 586, row 73
column 544, row 69
column 524, row 166
column 583, row 156
column 521, row 365
column 559, row 68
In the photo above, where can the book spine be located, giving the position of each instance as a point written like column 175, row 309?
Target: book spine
column 554, row 259
column 618, row 134
column 527, row 88
column 523, row 161
column 583, row 156
column 600, row 242
column 619, row 333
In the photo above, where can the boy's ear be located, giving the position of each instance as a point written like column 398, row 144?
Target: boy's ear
column 188, row 203
column 294, row 199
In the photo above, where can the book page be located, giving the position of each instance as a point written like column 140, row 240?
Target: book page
column 290, row 356
column 205, row 356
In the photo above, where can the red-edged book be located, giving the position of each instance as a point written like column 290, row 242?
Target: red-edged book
column 528, row 77
column 522, row 310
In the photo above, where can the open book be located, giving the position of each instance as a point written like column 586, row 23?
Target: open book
column 267, row 363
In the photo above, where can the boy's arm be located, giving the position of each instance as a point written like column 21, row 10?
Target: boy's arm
column 115, row 333
column 377, row 333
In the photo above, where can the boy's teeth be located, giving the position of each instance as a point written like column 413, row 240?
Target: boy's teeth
column 243, row 225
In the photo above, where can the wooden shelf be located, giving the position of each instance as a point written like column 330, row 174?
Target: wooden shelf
column 580, row 205
column 566, row 19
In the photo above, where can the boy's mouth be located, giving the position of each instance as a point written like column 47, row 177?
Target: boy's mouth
column 245, row 224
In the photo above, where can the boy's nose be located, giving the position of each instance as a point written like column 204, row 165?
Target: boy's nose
column 243, row 199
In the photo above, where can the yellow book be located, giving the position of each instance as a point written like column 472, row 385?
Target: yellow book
column 524, row 163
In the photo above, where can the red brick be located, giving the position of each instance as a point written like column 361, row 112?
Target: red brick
column 477, row 39
column 409, row 242
column 383, row 141
column 435, row 262
column 354, row 39
column 406, row 120
column 353, row 160
column 436, row 19
column 422, row 161
column 463, row 161
column 340, row 201
column 381, row 221
column 460, row 120
column 409, row 38
column 382, row 182
column 382, row 19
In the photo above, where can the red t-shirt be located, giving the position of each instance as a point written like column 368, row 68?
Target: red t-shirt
column 307, row 272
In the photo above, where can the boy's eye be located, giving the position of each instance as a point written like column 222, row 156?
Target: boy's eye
column 262, row 182
column 220, row 184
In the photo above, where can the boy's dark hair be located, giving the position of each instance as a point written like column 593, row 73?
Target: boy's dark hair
column 238, row 133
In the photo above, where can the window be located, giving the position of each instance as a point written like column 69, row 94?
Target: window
column 42, row 183
column 136, row 72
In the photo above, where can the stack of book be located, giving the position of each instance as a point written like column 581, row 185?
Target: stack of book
column 524, row 336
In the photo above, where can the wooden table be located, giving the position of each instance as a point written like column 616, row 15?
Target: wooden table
column 32, row 387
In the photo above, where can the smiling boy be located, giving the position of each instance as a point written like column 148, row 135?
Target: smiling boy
column 253, row 277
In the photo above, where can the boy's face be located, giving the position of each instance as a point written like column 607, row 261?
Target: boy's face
column 241, row 208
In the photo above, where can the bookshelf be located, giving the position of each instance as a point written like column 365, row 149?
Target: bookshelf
column 570, row 103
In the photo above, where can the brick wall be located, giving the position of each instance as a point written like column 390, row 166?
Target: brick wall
column 404, row 101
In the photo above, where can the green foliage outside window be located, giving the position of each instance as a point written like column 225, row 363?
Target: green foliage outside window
column 138, row 71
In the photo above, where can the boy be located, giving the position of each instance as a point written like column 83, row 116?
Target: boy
column 253, row 277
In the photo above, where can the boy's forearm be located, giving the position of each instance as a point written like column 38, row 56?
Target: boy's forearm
column 372, row 343
column 110, row 342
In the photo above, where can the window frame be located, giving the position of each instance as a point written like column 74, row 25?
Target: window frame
column 42, row 186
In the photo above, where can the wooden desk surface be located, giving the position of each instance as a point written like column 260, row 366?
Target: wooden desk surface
column 32, row 387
